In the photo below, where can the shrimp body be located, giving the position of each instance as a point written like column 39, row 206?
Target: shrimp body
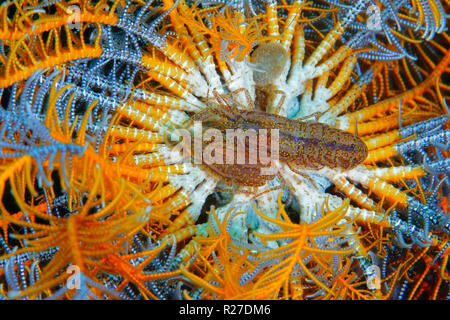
column 302, row 144
column 311, row 145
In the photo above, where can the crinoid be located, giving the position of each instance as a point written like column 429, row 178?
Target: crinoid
column 92, row 176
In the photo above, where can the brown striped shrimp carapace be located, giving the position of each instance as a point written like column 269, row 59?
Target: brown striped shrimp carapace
column 308, row 145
